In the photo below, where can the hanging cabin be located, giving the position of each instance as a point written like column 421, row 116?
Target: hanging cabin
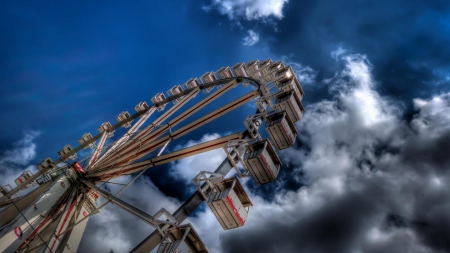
column 262, row 161
column 230, row 203
column 290, row 102
column 208, row 77
column 182, row 239
column 158, row 98
column 281, row 130
column 175, row 90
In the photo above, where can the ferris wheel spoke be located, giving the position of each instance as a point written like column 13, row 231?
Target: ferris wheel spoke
column 98, row 149
column 141, row 138
column 127, row 136
column 135, row 142
column 145, row 149
column 166, row 158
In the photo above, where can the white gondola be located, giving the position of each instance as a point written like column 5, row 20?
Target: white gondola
column 46, row 163
column 141, row 106
column 270, row 68
column 175, row 91
column 86, row 137
column 280, row 75
column 24, row 177
column 230, row 203
column 263, row 65
column 291, row 84
column 224, row 72
column 262, row 161
column 158, row 99
column 123, row 116
column 253, row 69
column 182, row 239
column 240, row 69
column 106, row 126
column 191, row 83
column 281, row 130
column 65, row 150
column 4, row 190
column 290, row 102
column 206, row 78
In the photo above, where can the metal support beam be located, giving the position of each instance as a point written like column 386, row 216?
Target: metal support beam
column 166, row 158
column 149, row 219
column 149, row 147
column 182, row 213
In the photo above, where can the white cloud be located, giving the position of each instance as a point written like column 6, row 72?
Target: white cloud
column 248, row 9
column 434, row 114
column 15, row 161
column 251, row 39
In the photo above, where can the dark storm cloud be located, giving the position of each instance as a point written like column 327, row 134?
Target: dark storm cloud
column 405, row 40
column 377, row 183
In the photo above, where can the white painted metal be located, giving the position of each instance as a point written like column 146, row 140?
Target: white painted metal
column 281, row 130
column 262, row 161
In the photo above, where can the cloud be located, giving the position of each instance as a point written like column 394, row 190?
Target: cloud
column 251, row 39
column 15, row 161
column 361, row 189
column 247, row 9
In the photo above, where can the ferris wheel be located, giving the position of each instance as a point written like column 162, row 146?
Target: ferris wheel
column 53, row 216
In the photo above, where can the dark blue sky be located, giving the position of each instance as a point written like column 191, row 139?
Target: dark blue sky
column 67, row 67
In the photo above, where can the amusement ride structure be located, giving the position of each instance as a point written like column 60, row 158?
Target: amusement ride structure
column 53, row 216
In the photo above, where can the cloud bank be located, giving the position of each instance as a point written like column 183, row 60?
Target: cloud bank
column 248, row 9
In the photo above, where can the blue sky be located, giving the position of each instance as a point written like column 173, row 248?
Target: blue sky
column 376, row 76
